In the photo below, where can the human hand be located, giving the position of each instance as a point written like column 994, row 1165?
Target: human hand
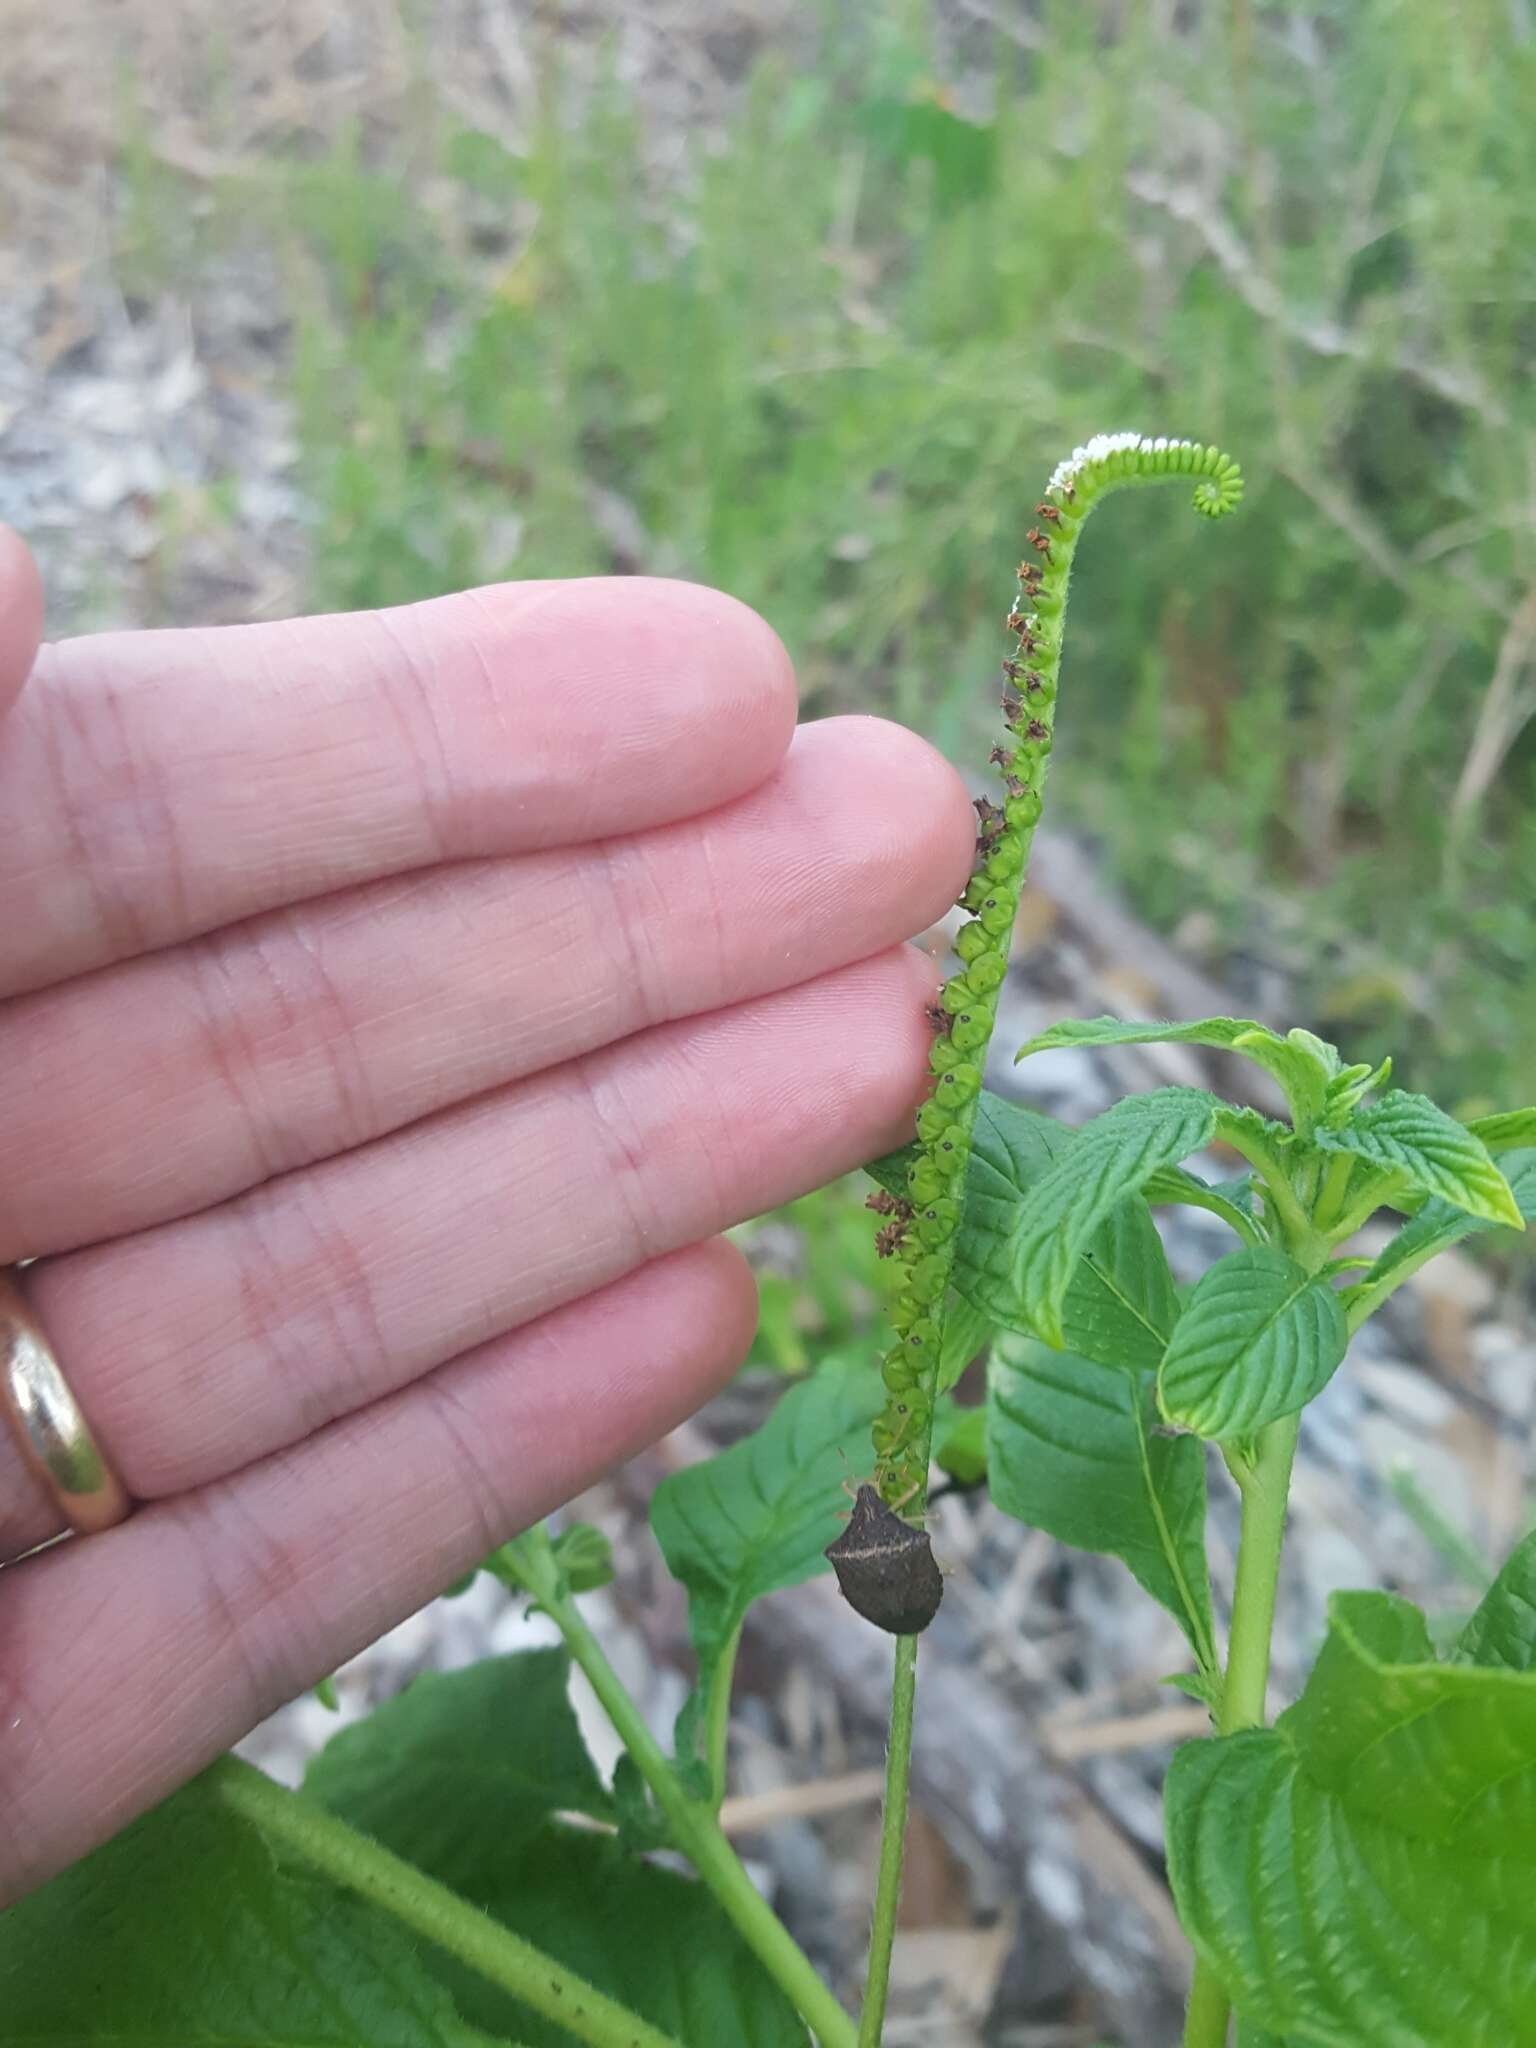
column 392, row 1010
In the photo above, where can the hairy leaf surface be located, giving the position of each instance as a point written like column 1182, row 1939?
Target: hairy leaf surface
column 189, row 1930
column 1503, row 1630
column 1075, row 1451
column 481, row 1824
column 1506, row 1129
column 1234, row 1201
column 1365, row 1871
column 1108, row 1160
column 1301, row 1063
column 1436, row 1227
column 1120, row 1302
column 467, row 1764
column 1411, row 1135
column 1257, row 1340
column 759, row 1515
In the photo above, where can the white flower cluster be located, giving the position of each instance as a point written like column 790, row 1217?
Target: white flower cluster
column 1100, row 446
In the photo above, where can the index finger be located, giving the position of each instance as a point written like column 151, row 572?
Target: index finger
column 154, row 786
column 21, row 615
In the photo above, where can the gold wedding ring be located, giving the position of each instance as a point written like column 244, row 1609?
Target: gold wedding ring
column 54, row 1436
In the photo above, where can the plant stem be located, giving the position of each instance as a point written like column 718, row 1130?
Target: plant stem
column 386, row 1880
column 1335, row 1190
column 1281, row 1197
column 698, row 1834
column 898, row 1776
column 1208, row 2012
column 718, row 1720
column 1258, row 1574
column 1265, row 1490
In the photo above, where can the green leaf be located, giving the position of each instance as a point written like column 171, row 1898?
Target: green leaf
column 1411, row 1136
column 1301, row 1063
column 1257, row 1340
column 1509, row 1128
column 657, row 1942
column 759, row 1515
column 960, row 1443
column 966, row 1332
column 1120, row 1303
column 1365, row 1871
column 1233, row 1200
column 584, row 1557
column 467, row 1764
column 1503, row 1630
column 186, row 1931
column 642, row 1824
column 459, row 1775
column 1107, row 1161
column 1435, row 1228
column 1076, row 1452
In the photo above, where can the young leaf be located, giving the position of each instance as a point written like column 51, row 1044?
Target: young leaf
column 1232, row 1200
column 1257, row 1340
column 1366, row 1869
column 449, row 1776
column 1411, row 1136
column 1509, row 1128
column 1120, row 1303
column 1503, row 1630
column 186, row 1929
column 438, row 1763
column 1435, row 1228
column 1302, row 1064
column 1075, row 1452
column 759, row 1515
column 1108, row 1160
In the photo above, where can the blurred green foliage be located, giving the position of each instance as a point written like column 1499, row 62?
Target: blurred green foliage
column 821, row 1288
column 824, row 352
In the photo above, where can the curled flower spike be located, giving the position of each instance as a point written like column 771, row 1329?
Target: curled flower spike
column 936, row 1181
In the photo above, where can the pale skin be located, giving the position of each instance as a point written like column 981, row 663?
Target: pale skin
column 394, row 1009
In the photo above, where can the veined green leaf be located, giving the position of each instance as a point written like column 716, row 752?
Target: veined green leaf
column 1365, row 1871
column 449, row 1776
column 1410, row 1135
column 1233, row 1200
column 1503, row 1630
column 469, row 1764
column 1257, row 1340
column 1076, row 1452
column 1120, row 1302
column 1106, row 1162
column 1435, row 1228
column 1508, row 1128
column 1300, row 1062
column 759, row 1515
column 188, row 1929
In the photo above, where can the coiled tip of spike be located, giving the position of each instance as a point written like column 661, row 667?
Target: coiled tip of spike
column 1109, row 460
column 1220, row 493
